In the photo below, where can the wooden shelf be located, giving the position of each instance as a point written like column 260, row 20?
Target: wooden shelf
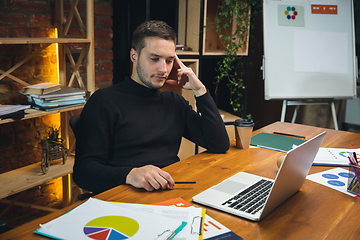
column 214, row 52
column 21, row 179
column 42, row 40
column 211, row 41
column 187, row 53
column 188, row 25
column 33, row 113
column 189, row 30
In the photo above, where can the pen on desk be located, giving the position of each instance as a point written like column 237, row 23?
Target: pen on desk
column 352, row 183
column 356, row 185
column 355, row 158
column 290, row 135
column 185, row 182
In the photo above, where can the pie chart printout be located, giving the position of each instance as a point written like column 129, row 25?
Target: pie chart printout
column 111, row 228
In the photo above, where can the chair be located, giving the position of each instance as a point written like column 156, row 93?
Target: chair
column 74, row 122
column 3, row 226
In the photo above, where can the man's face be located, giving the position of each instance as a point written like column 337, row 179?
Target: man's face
column 155, row 62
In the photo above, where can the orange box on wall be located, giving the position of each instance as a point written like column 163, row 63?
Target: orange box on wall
column 324, row 9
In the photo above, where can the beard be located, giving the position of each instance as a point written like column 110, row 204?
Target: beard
column 145, row 78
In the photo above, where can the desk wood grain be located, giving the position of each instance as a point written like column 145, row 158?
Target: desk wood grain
column 315, row 212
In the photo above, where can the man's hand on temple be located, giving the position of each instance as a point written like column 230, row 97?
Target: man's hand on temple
column 187, row 78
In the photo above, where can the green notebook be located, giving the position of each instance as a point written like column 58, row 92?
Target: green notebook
column 275, row 142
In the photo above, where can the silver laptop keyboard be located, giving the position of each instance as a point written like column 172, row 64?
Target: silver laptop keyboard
column 252, row 199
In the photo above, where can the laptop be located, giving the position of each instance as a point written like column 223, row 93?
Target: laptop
column 253, row 197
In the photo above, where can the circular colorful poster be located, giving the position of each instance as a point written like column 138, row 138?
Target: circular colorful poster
column 291, row 13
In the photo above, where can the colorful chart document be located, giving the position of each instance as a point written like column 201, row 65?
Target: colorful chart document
column 193, row 216
column 334, row 156
column 100, row 220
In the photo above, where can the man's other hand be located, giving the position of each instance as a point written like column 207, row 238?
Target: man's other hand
column 150, row 178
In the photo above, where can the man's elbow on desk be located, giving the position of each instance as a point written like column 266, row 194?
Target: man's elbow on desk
column 98, row 178
column 218, row 148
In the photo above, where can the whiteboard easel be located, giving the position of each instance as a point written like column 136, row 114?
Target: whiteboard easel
column 298, row 103
column 309, row 58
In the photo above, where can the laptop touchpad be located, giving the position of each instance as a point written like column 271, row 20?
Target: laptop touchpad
column 229, row 187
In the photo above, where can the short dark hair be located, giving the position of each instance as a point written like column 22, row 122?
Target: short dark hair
column 153, row 28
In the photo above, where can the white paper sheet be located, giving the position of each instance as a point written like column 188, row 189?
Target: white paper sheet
column 336, row 178
column 189, row 215
column 334, row 156
column 8, row 109
column 110, row 221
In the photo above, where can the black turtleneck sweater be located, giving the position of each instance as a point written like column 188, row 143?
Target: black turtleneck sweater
column 128, row 125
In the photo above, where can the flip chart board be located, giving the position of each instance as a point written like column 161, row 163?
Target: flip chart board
column 309, row 49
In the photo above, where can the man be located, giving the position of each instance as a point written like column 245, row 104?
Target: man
column 129, row 131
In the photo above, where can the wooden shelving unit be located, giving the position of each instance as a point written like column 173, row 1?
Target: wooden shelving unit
column 188, row 27
column 87, row 40
column 200, row 43
column 189, row 31
column 211, row 41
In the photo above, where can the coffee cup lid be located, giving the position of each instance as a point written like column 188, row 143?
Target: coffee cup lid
column 244, row 123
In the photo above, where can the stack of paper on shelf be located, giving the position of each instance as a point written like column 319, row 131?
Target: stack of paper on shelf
column 41, row 88
column 97, row 219
column 13, row 111
column 65, row 97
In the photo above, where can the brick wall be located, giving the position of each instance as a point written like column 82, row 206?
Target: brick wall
column 18, row 145
column 27, row 18
column 35, row 18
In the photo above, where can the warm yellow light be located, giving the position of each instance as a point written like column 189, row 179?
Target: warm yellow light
column 67, row 185
column 55, row 118
column 57, row 57
column 60, row 185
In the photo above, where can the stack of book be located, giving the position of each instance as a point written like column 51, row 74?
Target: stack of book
column 41, row 88
column 63, row 97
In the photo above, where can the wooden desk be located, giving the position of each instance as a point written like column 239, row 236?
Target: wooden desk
column 315, row 212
